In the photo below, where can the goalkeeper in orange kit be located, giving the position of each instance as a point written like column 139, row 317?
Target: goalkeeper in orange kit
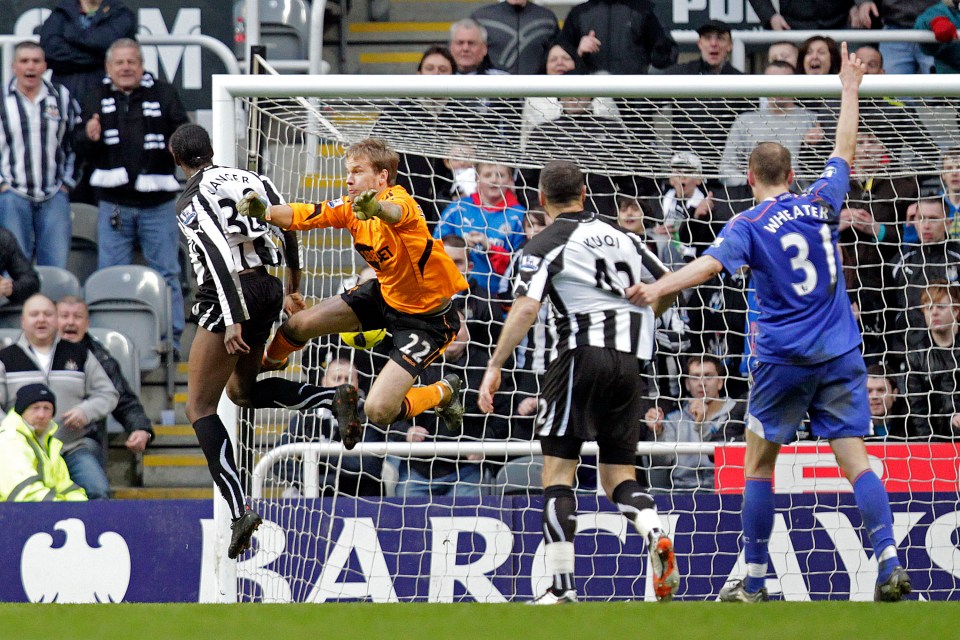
column 411, row 296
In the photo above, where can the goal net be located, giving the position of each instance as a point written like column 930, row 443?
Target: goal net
column 416, row 513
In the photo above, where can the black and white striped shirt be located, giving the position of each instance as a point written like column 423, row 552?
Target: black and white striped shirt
column 222, row 242
column 584, row 266
column 36, row 150
column 539, row 347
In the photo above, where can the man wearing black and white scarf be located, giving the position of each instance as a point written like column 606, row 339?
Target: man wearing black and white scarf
column 128, row 122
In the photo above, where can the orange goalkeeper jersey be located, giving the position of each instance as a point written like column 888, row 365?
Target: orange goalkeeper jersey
column 416, row 275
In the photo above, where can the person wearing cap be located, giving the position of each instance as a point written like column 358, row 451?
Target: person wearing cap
column 83, row 389
column 31, row 467
column 701, row 124
column 715, row 45
column 682, row 203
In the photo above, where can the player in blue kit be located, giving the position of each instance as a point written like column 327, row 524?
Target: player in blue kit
column 808, row 343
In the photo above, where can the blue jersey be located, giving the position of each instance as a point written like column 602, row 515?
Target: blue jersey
column 790, row 245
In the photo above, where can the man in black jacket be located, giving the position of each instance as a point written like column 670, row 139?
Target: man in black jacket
column 18, row 278
column 128, row 122
column 620, row 37
column 73, row 322
column 519, row 34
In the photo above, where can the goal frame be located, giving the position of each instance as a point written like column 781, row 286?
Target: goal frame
column 228, row 123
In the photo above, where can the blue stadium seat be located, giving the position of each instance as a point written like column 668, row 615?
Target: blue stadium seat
column 136, row 300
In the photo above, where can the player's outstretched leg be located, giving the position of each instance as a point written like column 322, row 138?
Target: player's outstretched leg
column 639, row 507
column 276, row 357
column 758, row 514
column 450, row 409
column 242, row 530
column 559, row 529
column 344, row 409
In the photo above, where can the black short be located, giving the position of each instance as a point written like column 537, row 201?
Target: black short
column 417, row 339
column 263, row 294
column 591, row 393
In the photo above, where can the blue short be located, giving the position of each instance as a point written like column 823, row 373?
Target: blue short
column 832, row 393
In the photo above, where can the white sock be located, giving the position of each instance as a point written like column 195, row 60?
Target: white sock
column 560, row 557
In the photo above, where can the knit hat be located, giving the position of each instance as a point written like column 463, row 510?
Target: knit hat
column 33, row 393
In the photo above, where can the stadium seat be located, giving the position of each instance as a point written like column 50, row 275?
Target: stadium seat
column 10, row 316
column 125, row 353
column 8, row 337
column 82, row 260
column 55, row 283
column 135, row 299
column 519, row 476
column 284, row 28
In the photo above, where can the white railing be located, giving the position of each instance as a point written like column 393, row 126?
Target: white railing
column 211, row 44
column 312, row 452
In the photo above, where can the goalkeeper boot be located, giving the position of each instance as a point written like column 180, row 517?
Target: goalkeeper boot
column 242, row 531
column 551, row 597
column 452, row 412
column 666, row 576
column 348, row 417
column 894, row 587
column 736, row 592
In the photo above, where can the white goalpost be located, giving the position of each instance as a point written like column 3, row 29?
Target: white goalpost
column 337, row 525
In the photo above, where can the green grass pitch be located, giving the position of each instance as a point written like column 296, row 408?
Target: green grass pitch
column 586, row 621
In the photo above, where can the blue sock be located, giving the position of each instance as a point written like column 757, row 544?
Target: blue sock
column 874, row 508
column 758, row 510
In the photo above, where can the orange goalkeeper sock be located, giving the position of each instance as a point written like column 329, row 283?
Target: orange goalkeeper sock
column 419, row 399
column 282, row 346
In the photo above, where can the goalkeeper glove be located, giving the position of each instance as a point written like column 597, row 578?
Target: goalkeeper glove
column 253, row 206
column 365, row 205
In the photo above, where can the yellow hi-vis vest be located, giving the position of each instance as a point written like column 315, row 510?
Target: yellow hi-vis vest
column 31, row 469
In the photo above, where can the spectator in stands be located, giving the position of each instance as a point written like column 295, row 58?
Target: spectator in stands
column 37, row 159
column 942, row 19
column 708, row 415
column 18, row 279
column 819, row 56
column 950, row 177
column 476, row 304
column 901, row 57
column 464, row 172
column 73, row 322
column 128, row 124
column 76, row 36
column 31, row 467
column 84, row 392
column 933, row 365
column 468, row 44
column 619, row 37
column 814, row 15
column 560, row 60
column 888, row 410
column 346, row 475
column 701, row 125
column 425, row 177
column 685, row 213
column 445, row 475
column 519, row 33
column 935, row 258
column 781, row 120
column 715, row 45
column 491, row 221
column 896, row 123
column 784, row 52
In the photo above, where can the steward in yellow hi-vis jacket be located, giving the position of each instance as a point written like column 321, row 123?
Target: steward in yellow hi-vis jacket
column 31, row 467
